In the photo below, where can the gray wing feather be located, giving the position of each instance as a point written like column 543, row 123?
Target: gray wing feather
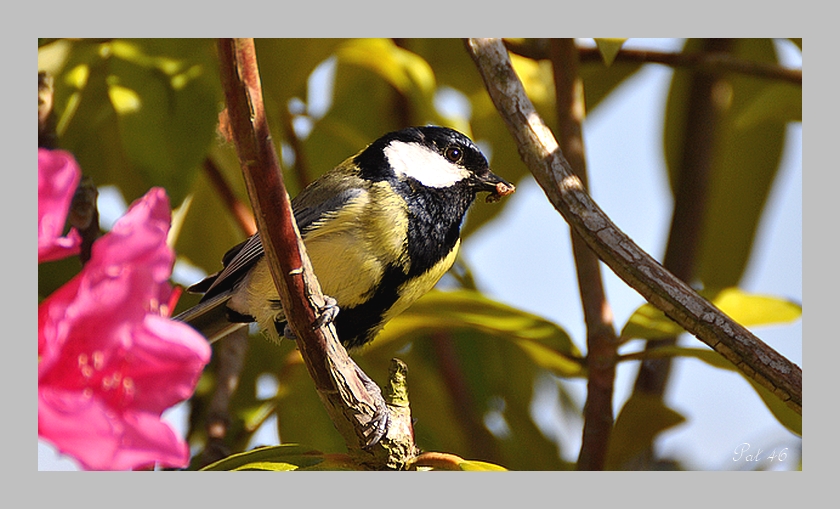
column 210, row 317
column 251, row 251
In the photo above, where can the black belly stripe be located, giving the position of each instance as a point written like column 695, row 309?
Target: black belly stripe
column 356, row 325
column 434, row 224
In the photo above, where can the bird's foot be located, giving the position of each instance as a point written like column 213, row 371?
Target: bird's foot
column 326, row 315
column 376, row 429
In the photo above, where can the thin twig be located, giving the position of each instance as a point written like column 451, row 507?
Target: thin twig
column 712, row 62
column 230, row 359
column 541, row 153
column 84, row 216
column 601, row 340
column 244, row 217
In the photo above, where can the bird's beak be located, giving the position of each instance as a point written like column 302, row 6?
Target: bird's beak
column 495, row 185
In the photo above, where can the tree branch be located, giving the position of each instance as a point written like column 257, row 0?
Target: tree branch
column 230, row 358
column 352, row 401
column 601, row 341
column 711, row 62
column 541, row 153
column 84, row 216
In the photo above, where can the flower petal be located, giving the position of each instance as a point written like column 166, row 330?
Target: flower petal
column 109, row 363
column 87, row 429
column 58, row 176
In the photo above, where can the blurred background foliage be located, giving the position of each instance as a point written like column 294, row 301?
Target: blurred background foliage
column 138, row 113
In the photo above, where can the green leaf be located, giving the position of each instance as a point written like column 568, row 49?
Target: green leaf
column 169, row 107
column 480, row 466
column 777, row 102
column 405, row 71
column 209, row 229
column 301, row 416
column 137, row 113
column 545, row 343
column 276, row 458
column 647, row 322
column 639, row 422
column 749, row 310
column 378, row 87
column 460, row 381
column 609, row 48
column 783, row 413
column 745, row 153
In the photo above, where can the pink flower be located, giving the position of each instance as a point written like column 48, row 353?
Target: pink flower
column 58, row 176
column 110, row 359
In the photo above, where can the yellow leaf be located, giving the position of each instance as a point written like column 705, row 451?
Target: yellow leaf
column 124, row 99
column 777, row 101
column 480, row 466
column 609, row 48
column 537, row 78
column 545, row 343
column 280, row 457
column 749, row 310
column 404, row 70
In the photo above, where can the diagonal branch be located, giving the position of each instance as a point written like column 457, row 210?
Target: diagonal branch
column 352, row 401
column 541, row 153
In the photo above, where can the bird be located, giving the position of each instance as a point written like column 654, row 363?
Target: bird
column 381, row 229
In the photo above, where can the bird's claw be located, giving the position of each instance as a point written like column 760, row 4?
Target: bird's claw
column 326, row 315
column 376, row 429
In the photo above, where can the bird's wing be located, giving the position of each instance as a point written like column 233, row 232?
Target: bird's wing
column 239, row 259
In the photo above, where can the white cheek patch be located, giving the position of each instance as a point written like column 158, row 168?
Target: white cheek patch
column 423, row 164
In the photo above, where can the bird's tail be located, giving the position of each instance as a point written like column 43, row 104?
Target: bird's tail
column 209, row 317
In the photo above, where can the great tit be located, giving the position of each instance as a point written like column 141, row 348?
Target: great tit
column 380, row 229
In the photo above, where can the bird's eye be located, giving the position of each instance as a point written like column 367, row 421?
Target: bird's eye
column 454, row 154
